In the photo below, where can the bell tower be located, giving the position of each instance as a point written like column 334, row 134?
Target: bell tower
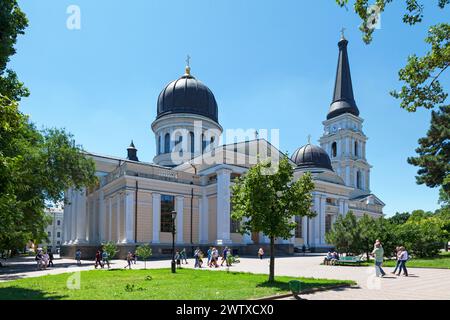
column 343, row 138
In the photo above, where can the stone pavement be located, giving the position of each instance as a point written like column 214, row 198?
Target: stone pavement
column 421, row 284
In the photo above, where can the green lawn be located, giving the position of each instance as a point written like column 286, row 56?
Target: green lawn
column 136, row 284
column 442, row 261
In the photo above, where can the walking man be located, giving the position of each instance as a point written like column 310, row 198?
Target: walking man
column 403, row 258
column 378, row 253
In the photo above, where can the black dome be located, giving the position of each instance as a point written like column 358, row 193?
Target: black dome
column 187, row 95
column 311, row 156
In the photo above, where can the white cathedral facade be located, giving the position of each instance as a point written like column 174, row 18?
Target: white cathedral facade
column 191, row 174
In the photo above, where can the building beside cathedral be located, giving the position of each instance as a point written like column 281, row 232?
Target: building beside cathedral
column 191, row 174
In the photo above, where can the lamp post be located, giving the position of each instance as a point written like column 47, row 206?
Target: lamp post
column 174, row 215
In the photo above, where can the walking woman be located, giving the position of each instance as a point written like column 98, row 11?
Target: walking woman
column 403, row 258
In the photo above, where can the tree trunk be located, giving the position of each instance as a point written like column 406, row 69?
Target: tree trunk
column 272, row 260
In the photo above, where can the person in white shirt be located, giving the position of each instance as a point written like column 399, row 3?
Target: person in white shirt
column 402, row 264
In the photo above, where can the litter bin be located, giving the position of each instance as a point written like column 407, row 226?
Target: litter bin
column 295, row 286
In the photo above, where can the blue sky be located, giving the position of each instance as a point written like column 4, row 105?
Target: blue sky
column 271, row 64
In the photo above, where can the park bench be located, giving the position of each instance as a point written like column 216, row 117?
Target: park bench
column 349, row 260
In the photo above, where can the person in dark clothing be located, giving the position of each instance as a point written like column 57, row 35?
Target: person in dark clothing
column 98, row 259
column 50, row 258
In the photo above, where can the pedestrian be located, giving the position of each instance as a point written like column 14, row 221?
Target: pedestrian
column 135, row 258
column 398, row 252
column 178, row 259
column 45, row 259
column 209, row 253
column 129, row 259
column 98, row 259
column 184, row 256
column 378, row 254
column 50, row 258
column 78, row 257
column 224, row 257
column 260, row 253
column 105, row 259
column 404, row 256
column 38, row 260
column 200, row 259
column 197, row 258
column 215, row 257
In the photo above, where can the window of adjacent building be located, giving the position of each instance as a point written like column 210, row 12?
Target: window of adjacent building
column 58, row 234
column 334, row 149
column 58, row 222
column 167, row 206
column 356, row 148
column 167, row 143
column 298, row 227
column 49, row 233
column 58, row 242
column 328, row 219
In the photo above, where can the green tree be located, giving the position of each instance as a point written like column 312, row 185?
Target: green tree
column 367, row 228
column 344, row 234
column 266, row 200
column 111, row 249
column 35, row 167
column 144, row 251
column 399, row 218
column 12, row 23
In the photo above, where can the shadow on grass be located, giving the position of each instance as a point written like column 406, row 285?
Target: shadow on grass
column 278, row 285
column 284, row 286
column 17, row 293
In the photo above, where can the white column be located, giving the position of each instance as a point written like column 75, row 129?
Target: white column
column 110, row 216
column 322, row 218
column 292, row 239
column 305, row 230
column 66, row 219
column 179, row 204
column 315, row 235
column 347, row 175
column 223, row 205
column 203, row 223
column 81, row 216
column 102, row 217
column 156, row 203
column 129, row 217
column 345, row 207
column 73, row 216
column 118, row 218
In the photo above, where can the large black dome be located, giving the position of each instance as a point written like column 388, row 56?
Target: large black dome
column 311, row 156
column 187, row 95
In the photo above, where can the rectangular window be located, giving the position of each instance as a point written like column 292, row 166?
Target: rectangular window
column 298, row 227
column 167, row 206
column 235, row 226
column 49, row 233
column 58, row 234
column 58, row 222
column 328, row 219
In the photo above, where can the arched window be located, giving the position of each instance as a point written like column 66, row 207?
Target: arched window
column 212, row 140
column 158, row 147
column 334, row 149
column 167, row 143
column 203, row 143
column 356, row 148
column 192, row 140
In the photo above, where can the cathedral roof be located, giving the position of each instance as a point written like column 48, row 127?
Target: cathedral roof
column 187, row 95
column 311, row 156
column 343, row 100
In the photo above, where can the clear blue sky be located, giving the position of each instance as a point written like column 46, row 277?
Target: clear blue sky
column 270, row 64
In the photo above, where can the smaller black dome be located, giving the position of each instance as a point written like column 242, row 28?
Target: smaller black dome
column 311, row 156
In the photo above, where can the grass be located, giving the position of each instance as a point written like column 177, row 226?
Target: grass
column 153, row 284
column 442, row 261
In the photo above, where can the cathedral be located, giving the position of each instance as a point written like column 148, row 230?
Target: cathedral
column 187, row 186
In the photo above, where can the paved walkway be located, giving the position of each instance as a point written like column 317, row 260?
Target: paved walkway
column 421, row 284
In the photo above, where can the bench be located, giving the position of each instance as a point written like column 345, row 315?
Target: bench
column 351, row 260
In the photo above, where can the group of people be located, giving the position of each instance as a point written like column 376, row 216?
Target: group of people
column 331, row 258
column 213, row 257
column 180, row 257
column 401, row 255
column 44, row 259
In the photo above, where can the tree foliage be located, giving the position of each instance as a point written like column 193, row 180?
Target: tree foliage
column 12, row 23
column 35, row 167
column 268, row 202
column 144, row 251
column 110, row 248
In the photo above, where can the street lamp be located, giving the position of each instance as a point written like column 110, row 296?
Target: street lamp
column 174, row 215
